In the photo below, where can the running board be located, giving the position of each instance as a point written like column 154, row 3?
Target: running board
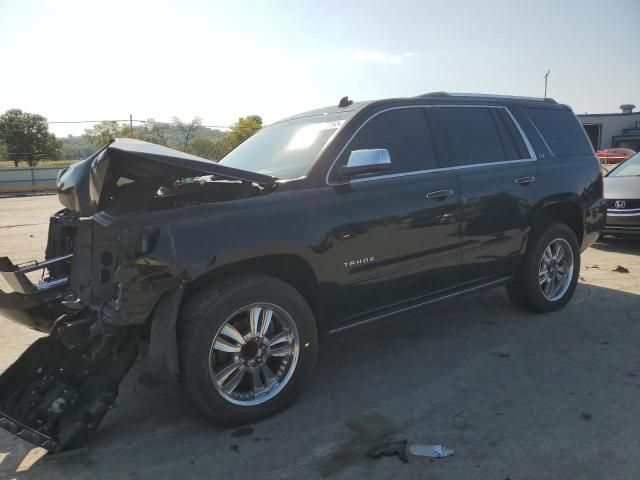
column 407, row 308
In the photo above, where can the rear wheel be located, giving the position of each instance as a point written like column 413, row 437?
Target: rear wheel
column 247, row 346
column 549, row 273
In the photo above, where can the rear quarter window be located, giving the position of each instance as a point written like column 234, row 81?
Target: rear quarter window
column 561, row 130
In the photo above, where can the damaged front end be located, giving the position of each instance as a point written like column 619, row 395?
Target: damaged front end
column 58, row 391
column 103, row 281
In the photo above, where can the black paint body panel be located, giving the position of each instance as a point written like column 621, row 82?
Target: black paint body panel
column 373, row 245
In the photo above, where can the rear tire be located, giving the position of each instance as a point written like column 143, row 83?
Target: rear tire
column 537, row 291
column 228, row 366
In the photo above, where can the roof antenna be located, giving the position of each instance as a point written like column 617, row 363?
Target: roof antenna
column 345, row 102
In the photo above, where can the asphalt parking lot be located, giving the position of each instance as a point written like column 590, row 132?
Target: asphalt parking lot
column 516, row 395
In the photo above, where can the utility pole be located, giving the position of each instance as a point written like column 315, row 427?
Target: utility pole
column 546, row 78
column 131, row 117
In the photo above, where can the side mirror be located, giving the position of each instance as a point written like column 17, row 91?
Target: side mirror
column 362, row 162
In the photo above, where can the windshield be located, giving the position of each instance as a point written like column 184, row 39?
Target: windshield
column 630, row 168
column 287, row 149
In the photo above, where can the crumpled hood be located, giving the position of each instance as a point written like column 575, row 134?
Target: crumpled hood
column 83, row 186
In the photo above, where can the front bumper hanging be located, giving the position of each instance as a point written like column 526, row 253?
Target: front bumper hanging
column 56, row 394
column 55, row 398
column 35, row 305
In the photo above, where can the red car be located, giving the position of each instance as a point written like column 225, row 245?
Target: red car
column 614, row 155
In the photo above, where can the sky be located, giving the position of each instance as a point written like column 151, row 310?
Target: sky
column 98, row 60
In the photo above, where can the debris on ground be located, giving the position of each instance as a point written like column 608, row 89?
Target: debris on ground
column 593, row 266
column 501, row 354
column 242, row 432
column 432, row 451
column 49, row 457
column 586, row 416
column 390, row 449
column 368, row 429
column 621, row 269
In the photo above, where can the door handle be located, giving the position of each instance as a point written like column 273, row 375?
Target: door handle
column 525, row 180
column 440, row 194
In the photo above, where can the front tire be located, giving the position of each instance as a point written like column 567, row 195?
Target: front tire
column 248, row 343
column 550, row 270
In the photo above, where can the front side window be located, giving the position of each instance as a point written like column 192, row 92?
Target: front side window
column 404, row 133
column 287, row 149
column 629, row 168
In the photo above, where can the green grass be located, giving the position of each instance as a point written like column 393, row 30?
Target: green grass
column 41, row 163
column 56, row 163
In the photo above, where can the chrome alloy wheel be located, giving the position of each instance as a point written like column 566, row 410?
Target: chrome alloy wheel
column 555, row 271
column 254, row 354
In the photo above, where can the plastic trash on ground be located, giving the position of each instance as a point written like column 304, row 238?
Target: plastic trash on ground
column 433, row 451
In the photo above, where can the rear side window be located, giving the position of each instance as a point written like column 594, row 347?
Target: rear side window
column 512, row 141
column 482, row 135
column 405, row 133
column 561, row 130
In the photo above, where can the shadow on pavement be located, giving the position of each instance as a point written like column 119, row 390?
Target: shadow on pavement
column 515, row 394
column 619, row 245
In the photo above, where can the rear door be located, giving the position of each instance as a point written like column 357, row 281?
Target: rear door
column 496, row 172
column 396, row 236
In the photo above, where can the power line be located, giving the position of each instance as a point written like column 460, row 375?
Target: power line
column 126, row 120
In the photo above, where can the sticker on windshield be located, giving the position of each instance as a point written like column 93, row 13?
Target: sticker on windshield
column 308, row 135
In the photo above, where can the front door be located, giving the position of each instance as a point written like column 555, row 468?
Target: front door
column 400, row 240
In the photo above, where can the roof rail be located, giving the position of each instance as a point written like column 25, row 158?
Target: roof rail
column 486, row 95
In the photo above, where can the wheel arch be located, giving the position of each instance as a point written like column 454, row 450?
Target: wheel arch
column 290, row 268
column 566, row 211
column 162, row 358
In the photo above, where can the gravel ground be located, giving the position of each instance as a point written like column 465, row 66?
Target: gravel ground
column 517, row 395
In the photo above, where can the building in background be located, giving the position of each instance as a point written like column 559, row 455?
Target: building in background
column 613, row 130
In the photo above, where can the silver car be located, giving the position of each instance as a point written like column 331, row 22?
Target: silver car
column 622, row 191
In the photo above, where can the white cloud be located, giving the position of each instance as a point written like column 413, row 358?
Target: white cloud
column 381, row 57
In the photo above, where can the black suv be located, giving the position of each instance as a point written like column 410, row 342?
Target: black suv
column 227, row 274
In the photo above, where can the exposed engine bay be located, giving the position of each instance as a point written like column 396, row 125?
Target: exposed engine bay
column 110, row 269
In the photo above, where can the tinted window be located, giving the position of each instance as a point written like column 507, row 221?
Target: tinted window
column 561, row 130
column 474, row 135
column 405, row 133
column 514, row 146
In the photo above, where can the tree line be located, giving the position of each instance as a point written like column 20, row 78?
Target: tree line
column 25, row 137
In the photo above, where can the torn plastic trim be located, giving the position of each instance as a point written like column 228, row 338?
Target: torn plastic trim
column 36, row 306
column 55, row 396
column 16, row 277
column 26, row 433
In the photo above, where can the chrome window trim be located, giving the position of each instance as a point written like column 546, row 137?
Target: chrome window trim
column 489, row 164
column 396, row 175
column 532, row 153
column 544, row 140
column 434, row 170
column 530, row 149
